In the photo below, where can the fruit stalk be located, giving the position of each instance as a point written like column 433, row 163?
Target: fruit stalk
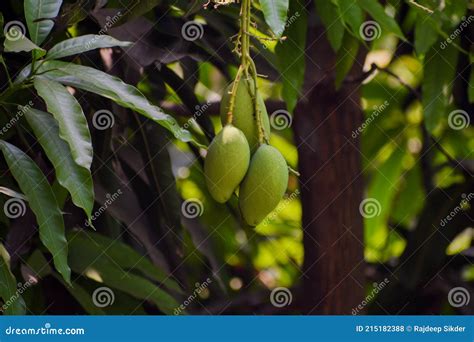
column 245, row 54
column 230, row 113
column 258, row 114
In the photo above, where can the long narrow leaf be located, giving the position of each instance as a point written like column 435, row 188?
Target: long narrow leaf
column 76, row 179
column 72, row 122
column 83, row 44
column 291, row 56
column 123, row 255
column 13, row 302
column 275, row 12
column 377, row 12
column 41, row 200
column 39, row 16
column 111, row 87
column 87, row 259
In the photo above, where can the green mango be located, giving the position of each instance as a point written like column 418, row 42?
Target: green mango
column 226, row 163
column 264, row 185
column 243, row 115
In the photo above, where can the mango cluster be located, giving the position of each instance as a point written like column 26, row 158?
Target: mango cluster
column 235, row 158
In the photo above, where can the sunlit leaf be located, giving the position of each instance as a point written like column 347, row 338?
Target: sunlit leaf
column 377, row 12
column 275, row 12
column 461, row 242
column 22, row 44
column 39, row 16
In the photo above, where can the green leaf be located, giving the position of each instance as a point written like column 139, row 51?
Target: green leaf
column 351, row 14
column 82, row 44
column 346, row 57
column 12, row 193
column 41, row 200
column 125, row 256
column 426, row 34
column 329, row 14
column 40, row 267
column 291, row 55
column 111, row 87
column 381, row 192
column 94, row 261
column 76, row 179
column 38, row 14
column 67, row 111
column 377, row 12
column 13, row 302
column 22, row 44
column 275, row 13
column 411, row 191
column 439, row 71
column 38, row 264
column 461, row 242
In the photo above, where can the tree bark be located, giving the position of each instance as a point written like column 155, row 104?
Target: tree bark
column 331, row 184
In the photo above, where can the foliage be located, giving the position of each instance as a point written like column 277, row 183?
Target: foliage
column 106, row 112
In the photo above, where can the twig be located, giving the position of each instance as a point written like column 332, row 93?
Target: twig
column 424, row 8
column 453, row 162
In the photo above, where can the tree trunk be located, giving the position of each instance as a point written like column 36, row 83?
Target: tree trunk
column 331, row 184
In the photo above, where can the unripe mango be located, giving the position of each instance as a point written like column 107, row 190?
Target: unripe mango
column 226, row 163
column 264, row 185
column 243, row 114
